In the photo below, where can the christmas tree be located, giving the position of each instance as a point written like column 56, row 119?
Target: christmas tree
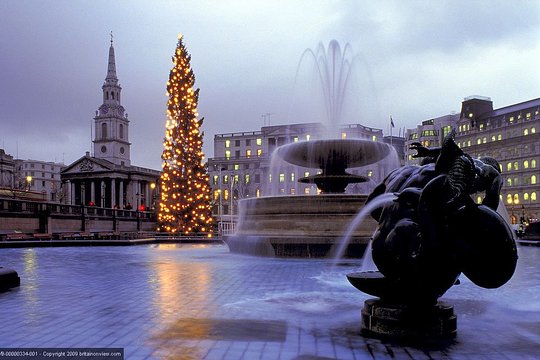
column 185, row 192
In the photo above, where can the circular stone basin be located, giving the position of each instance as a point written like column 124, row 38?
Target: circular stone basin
column 333, row 156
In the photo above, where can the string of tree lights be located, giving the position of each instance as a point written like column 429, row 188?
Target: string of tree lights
column 185, row 192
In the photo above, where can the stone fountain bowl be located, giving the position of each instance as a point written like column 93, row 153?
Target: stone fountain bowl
column 333, row 156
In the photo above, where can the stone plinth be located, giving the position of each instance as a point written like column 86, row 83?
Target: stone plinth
column 406, row 321
column 8, row 279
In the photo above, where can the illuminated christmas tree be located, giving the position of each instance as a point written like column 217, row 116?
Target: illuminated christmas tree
column 185, row 192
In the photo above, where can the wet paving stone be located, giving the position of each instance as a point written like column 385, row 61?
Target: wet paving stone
column 201, row 302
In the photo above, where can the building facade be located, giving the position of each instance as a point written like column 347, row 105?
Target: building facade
column 7, row 170
column 243, row 165
column 107, row 179
column 42, row 177
column 508, row 134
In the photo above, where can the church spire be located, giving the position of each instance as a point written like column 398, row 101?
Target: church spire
column 111, row 68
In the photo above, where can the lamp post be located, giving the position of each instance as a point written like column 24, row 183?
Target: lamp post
column 153, row 188
column 28, row 182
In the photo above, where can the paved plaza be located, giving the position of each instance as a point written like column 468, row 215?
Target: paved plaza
column 174, row 301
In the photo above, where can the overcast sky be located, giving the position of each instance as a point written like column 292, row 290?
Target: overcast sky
column 419, row 60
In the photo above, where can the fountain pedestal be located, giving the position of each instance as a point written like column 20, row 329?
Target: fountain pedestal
column 407, row 321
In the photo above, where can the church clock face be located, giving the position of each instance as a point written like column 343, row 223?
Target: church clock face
column 103, row 149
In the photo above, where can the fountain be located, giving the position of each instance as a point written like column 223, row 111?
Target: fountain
column 430, row 234
column 312, row 225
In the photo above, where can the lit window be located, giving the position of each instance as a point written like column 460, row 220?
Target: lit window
column 469, row 143
column 226, row 194
column 533, row 163
column 293, row 191
column 306, row 174
column 343, row 135
column 509, row 198
column 236, row 167
column 216, row 178
column 248, row 153
column 499, row 137
column 509, row 181
column 292, row 177
column 308, row 137
column 225, row 179
column 259, row 152
column 481, row 127
column 269, row 178
column 526, row 196
column 516, row 165
column 511, row 119
column 281, row 177
column 282, row 191
column 227, row 154
column 533, row 130
column 528, row 115
column 374, row 138
column 493, row 138
column 533, row 180
column 516, row 198
column 526, row 132
column 526, row 164
column 227, row 143
column 259, row 141
column 484, row 140
column 236, row 179
column 533, row 196
column 258, row 192
column 246, row 179
column 478, row 199
column 306, row 191
column 295, row 139
column 509, row 166
column 478, row 141
column 370, row 173
column 216, row 194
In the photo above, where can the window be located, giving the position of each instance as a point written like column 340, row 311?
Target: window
column 478, row 199
column 533, row 180
column 248, row 142
column 227, row 143
column 308, row 137
column 516, row 198
column 292, row 177
column 258, row 192
column 227, row 154
column 306, row 191
column 225, row 179
column 516, row 165
column 525, row 132
column 343, row 135
column 509, row 198
column 226, row 194
column 103, row 130
column 374, row 138
column 295, row 139
column 306, row 174
column 533, row 196
column 281, row 177
column 259, row 141
column 478, row 141
column 269, row 178
column 216, row 194
column 533, row 163
column 533, row 130
column 446, row 130
column 248, row 153
column 259, row 152
column 246, row 179
column 237, row 154
column 235, row 179
column 370, row 173
column 509, row 181
column 236, row 167
column 257, row 178
column 215, row 179
column 429, row 133
column 526, row 164
column 121, row 131
column 509, row 166
column 493, row 138
column 499, row 137
column 236, row 143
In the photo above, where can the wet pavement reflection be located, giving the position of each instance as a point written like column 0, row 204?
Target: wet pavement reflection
column 174, row 301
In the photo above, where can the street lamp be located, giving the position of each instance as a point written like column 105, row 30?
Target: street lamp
column 28, row 182
column 153, row 188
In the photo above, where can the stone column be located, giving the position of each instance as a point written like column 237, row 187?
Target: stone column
column 93, row 192
column 102, row 193
column 72, row 193
column 147, row 196
column 121, row 195
column 136, row 191
column 113, row 193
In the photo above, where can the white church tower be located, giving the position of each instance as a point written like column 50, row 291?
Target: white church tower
column 111, row 140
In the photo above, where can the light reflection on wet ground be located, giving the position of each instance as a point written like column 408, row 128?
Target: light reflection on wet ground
column 194, row 302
